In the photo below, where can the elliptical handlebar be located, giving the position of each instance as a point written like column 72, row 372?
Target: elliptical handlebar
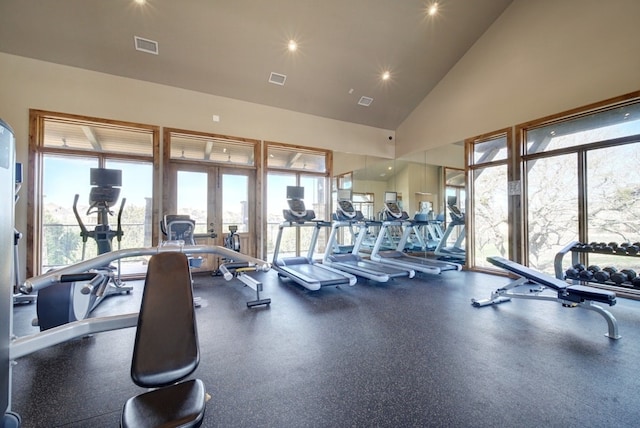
column 119, row 231
column 83, row 230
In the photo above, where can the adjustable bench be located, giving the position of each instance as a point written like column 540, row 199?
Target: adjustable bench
column 568, row 295
column 166, row 350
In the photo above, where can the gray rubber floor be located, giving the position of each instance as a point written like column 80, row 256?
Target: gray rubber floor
column 409, row 353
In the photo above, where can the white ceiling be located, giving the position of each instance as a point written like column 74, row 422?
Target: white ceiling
column 230, row 47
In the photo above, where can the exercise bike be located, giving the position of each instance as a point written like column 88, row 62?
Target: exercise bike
column 73, row 298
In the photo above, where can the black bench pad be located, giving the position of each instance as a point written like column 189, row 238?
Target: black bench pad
column 573, row 293
column 590, row 293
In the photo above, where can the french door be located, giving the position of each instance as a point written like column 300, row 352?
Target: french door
column 215, row 198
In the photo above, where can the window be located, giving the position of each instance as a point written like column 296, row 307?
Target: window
column 64, row 149
column 294, row 166
column 578, row 185
column 487, row 218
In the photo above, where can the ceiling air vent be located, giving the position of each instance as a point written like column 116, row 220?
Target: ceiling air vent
column 365, row 101
column 146, row 45
column 277, row 79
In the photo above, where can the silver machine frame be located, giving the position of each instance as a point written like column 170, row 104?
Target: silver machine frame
column 17, row 347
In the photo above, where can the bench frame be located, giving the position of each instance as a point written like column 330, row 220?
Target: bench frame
column 531, row 284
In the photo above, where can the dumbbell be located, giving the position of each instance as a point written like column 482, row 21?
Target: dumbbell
column 619, row 278
column 607, row 248
column 636, row 282
column 601, row 276
column 613, row 245
column 587, row 274
column 574, row 271
column 633, row 249
column 579, row 246
column 630, row 273
column 605, row 274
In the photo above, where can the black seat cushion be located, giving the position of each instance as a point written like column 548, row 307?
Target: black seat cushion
column 166, row 344
column 179, row 405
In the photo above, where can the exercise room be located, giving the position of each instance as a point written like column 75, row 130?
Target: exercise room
column 355, row 213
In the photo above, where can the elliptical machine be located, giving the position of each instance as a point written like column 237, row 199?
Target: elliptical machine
column 67, row 301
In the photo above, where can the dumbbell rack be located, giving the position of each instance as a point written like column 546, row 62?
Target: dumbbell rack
column 624, row 289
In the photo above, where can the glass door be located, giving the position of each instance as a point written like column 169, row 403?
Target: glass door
column 215, row 198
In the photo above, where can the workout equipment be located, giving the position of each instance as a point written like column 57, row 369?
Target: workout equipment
column 397, row 257
column 7, row 216
column 455, row 252
column 26, row 345
column 166, row 350
column 179, row 228
column 535, row 283
column 17, row 236
column 232, row 240
column 346, row 217
column 230, row 269
column 74, row 298
column 620, row 280
column 104, row 194
column 304, row 270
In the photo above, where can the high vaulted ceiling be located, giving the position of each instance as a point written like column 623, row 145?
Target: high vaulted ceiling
column 230, row 47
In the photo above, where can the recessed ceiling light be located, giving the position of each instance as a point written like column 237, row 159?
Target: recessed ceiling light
column 140, row 1
column 432, row 9
column 386, row 75
column 293, row 46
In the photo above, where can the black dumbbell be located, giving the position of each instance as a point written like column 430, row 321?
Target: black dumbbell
column 631, row 274
column 613, row 245
column 633, row 249
column 606, row 248
column 572, row 273
column 636, row 282
column 601, row 276
column 619, row 278
column 604, row 274
column 587, row 274
column 579, row 267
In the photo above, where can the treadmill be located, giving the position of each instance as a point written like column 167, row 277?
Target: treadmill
column 303, row 270
column 397, row 257
column 455, row 252
column 347, row 216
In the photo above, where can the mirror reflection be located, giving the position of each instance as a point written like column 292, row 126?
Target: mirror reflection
column 422, row 185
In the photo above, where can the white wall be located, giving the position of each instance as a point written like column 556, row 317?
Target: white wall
column 541, row 57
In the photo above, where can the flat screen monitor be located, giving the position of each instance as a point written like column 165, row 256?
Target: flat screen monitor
column 105, row 177
column 452, row 200
column 344, row 194
column 295, row 192
column 390, row 196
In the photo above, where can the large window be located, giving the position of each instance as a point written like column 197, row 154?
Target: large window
column 63, row 150
column 295, row 166
column 578, row 181
column 488, row 215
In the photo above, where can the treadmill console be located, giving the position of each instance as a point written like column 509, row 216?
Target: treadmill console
column 393, row 212
column 297, row 208
column 456, row 214
column 346, row 212
column 297, row 211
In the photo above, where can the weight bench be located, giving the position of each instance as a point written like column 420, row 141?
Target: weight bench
column 166, row 350
column 569, row 295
